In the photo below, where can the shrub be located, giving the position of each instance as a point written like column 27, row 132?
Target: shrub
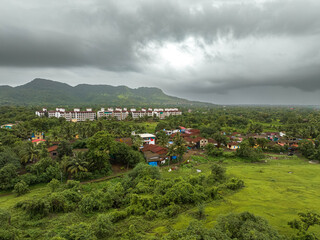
column 89, row 204
column 8, row 176
column 58, row 202
column 21, row 188
column 235, row 184
column 103, row 226
column 54, row 184
column 29, row 178
column 143, row 171
column 73, row 184
column 7, row 234
column 72, row 196
column 246, row 226
column 116, row 216
column 5, row 217
column 81, row 231
column 35, row 208
column 150, row 215
column 172, row 210
column 217, row 173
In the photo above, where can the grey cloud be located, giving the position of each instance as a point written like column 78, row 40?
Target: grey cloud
column 109, row 35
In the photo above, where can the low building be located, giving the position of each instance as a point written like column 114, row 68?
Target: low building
column 233, row 145
column 147, row 138
column 8, row 126
column 155, row 155
column 53, row 151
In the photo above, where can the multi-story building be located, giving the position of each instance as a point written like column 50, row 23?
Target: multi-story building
column 73, row 116
column 78, row 116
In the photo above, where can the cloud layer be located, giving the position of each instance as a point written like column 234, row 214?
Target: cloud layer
column 188, row 48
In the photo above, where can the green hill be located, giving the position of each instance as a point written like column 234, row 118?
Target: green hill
column 48, row 92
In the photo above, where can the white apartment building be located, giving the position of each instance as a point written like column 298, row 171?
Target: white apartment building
column 79, row 116
column 73, row 116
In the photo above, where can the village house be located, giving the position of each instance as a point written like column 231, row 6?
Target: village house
column 155, row 155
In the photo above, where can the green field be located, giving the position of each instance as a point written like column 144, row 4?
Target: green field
column 277, row 190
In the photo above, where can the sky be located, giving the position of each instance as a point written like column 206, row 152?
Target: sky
column 219, row 51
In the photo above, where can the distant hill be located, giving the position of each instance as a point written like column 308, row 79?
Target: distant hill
column 51, row 93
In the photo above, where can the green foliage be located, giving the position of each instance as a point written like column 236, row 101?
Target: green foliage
column 144, row 171
column 103, row 226
column 58, row 202
column 5, row 217
column 8, row 176
column 54, row 184
column 8, row 156
column 213, row 151
column 246, row 226
column 150, row 215
column 196, row 230
column 217, row 173
column 305, row 221
column 235, row 184
column 247, row 152
column 21, row 188
column 81, row 231
column 35, row 208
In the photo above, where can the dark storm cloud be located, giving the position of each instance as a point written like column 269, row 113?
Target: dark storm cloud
column 109, row 35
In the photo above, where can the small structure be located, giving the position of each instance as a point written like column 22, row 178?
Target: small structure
column 37, row 141
column 233, row 145
column 53, row 151
column 154, row 154
column 147, row 138
column 8, row 126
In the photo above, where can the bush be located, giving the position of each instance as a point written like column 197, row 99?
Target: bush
column 144, row 171
column 5, row 217
column 217, row 173
column 21, row 188
column 150, row 215
column 58, row 202
column 29, row 178
column 116, row 216
column 172, row 210
column 246, row 226
column 8, row 176
column 235, row 184
column 35, row 208
column 103, row 226
column 88, row 204
column 72, row 196
column 7, row 234
column 73, row 184
column 81, row 231
column 54, row 184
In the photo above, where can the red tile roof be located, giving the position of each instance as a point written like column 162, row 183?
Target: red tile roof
column 53, row 148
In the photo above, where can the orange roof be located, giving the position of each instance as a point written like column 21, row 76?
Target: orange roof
column 38, row 140
column 53, row 148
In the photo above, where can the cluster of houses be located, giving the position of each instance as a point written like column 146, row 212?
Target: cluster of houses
column 120, row 113
column 156, row 155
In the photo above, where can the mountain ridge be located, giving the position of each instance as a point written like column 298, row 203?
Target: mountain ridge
column 48, row 92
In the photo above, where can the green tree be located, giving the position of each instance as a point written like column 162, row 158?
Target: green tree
column 29, row 152
column 220, row 139
column 21, row 188
column 178, row 148
column 162, row 138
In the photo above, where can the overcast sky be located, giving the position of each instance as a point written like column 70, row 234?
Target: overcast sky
column 226, row 52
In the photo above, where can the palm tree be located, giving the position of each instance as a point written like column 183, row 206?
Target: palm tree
column 29, row 152
column 77, row 163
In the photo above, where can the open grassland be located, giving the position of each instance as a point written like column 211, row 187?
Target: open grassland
column 277, row 190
